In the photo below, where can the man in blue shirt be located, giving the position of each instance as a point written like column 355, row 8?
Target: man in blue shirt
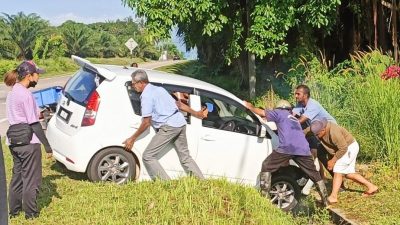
column 160, row 110
column 292, row 145
column 308, row 110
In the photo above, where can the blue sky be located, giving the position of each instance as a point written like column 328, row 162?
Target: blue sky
column 85, row 11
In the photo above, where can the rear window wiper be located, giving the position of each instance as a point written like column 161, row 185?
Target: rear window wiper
column 69, row 97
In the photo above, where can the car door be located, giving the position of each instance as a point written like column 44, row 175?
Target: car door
column 168, row 157
column 229, row 144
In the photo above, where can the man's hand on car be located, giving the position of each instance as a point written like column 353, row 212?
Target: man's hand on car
column 128, row 143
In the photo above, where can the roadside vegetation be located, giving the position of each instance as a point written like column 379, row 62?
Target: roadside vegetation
column 367, row 105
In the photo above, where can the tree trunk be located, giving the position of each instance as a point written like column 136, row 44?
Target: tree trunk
column 375, row 13
column 252, row 75
column 382, row 42
column 251, row 65
column 394, row 31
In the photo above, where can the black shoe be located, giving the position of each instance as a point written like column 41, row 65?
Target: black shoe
column 32, row 216
column 13, row 215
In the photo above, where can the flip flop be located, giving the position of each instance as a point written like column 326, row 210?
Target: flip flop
column 367, row 194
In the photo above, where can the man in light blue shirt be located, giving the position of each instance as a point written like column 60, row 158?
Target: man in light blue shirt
column 160, row 110
column 309, row 109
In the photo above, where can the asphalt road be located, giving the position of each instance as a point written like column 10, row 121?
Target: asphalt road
column 57, row 81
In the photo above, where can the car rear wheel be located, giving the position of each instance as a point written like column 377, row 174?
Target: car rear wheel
column 112, row 165
column 284, row 192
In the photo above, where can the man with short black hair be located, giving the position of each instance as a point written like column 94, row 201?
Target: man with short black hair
column 160, row 110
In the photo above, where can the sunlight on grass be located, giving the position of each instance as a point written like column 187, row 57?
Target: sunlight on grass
column 68, row 198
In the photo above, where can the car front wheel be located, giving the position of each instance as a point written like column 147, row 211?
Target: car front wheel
column 284, row 192
column 112, row 165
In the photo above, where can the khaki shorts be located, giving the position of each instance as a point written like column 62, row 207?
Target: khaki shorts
column 347, row 163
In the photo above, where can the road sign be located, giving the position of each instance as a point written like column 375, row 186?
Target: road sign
column 131, row 44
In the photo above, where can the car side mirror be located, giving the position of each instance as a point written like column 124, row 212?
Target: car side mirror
column 263, row 131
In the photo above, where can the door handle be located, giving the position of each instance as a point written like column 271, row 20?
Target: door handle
column 208, row 138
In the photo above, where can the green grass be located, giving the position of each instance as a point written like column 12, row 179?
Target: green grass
column 116, row 61
column 383, row 207
column 68, row 198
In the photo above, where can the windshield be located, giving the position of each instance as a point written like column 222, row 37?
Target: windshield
column 81, row 86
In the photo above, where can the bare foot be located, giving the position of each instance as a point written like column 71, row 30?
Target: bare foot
column 332, row 200
column 371, row 191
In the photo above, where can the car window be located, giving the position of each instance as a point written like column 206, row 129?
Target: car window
column 180, row 93
column 81, row 85
column 175, row 91
column 227, row 114
column 134, row 97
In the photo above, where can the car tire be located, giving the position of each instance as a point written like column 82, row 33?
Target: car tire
column 284, row 192
column 112, row 165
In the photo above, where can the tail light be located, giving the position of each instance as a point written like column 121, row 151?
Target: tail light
column 89, row 118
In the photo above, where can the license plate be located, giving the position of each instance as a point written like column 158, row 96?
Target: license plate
column 64, row 114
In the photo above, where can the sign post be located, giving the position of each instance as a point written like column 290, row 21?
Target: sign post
column 131, row 44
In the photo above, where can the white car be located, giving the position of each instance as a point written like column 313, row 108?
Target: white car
column 99, row 109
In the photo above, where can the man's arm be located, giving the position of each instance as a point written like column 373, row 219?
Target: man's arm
column 340, row 142
column 199, row 114
column 128, row 143
column 302, row 119
column 255, row 110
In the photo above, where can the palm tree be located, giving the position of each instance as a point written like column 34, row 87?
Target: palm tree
column 77, row 38
column 22, row 30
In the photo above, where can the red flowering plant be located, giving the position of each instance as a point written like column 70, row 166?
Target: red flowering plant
column 391, row 72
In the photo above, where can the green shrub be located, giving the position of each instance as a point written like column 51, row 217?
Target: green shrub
column 5, row 66
column 359, row 99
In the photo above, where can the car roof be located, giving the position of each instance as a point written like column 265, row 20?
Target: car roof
column 169, row 78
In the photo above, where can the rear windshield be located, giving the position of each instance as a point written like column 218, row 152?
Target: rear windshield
column 81, row 85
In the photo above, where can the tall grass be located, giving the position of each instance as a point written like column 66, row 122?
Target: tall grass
column 355, row 95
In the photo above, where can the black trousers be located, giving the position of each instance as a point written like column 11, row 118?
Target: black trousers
column 277, row 160
column 26, row 179
column 3, row 190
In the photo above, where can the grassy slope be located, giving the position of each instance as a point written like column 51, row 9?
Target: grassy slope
column 382, row 208
column 68, row 198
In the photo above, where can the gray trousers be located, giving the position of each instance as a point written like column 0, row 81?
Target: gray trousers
column 3, row 191
column 164, row 136
column 26, row 179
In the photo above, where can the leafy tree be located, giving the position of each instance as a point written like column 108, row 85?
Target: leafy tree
column 245, row 28
column 22, row 30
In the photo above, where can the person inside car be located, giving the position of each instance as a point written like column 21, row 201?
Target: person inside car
column 292, row 145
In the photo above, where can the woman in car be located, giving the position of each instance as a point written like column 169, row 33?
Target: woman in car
column 27, row 157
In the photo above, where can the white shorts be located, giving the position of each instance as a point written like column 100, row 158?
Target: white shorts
column 347, row 163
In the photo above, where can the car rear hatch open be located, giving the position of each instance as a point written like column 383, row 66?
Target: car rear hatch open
column 80, row 101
